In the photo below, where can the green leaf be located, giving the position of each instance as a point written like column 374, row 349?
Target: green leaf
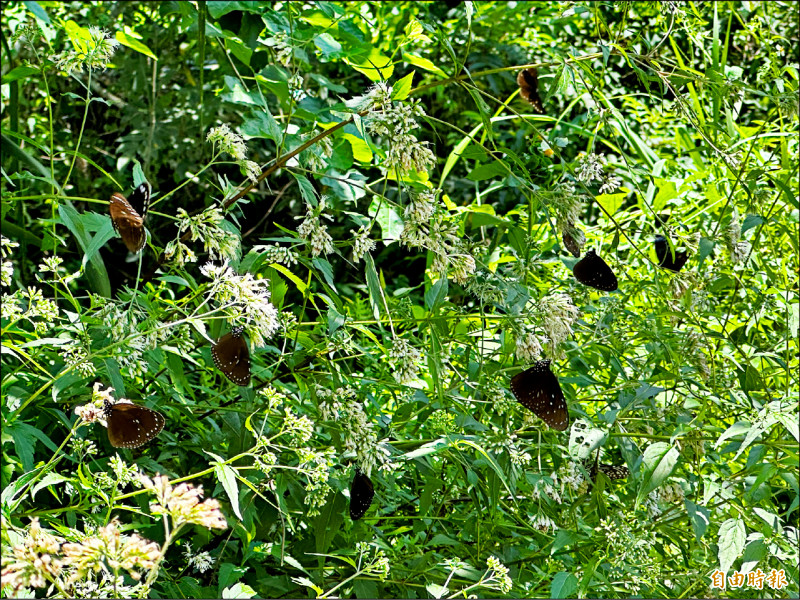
column 96, row 269
column 128, row 40
column 488, row 171
column 376, row 66
column 262, row 124
column 361, row 150
column 658, row 462
column 436, row 590
column 228, row 575
column 325, row 268
column 564, row 585
column 611, row 202
column 226, row 475
column 732, row 535
column 329, row 47
column 435, row 295
column 21, row 72
column 700, row 517
column 374, row 287
column 48, row 480
column 390, row 222
column 666, row 192
column 401, row 89
column 239, row 590
column 423, row 63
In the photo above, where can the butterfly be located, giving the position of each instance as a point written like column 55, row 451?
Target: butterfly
column 538, row 390
column 528, row 82
column 127, row 216
column 665, row 256
column 232, row 357
column 573, row 239
column 593, row 271
column 361, row 493
column 611, row 471
column 131, row 425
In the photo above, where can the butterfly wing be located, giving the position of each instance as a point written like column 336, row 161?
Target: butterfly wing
column 528, row 81
column 664, row 256
column 361, row 493
column 573, row 239
column 613, row 472
column 140, row 199
column 593, row 271
column 232, row 357
column 127, row 222
column 538, row 390
column 131, row 425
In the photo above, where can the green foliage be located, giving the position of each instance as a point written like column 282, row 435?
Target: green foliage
column 360, row 186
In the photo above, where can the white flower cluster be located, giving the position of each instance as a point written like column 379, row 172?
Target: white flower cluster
column 427, row 226
column 361, row 243
column 358, row 434
column 405, row 360
column 281, row 43
column 558, row 316
column 395, row 121
column 315, row 232
column 233, row 144
column 245, row 299
column 529, row 347
column 7, row 268
column 273, row 253
column 739, row 250
column 96, row 54
column 498, row 574
column 314, row 156
column 219, row 242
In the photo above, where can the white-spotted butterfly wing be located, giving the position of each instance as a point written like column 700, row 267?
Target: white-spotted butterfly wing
column 538, row 390
column 232, row 357
column 128, row 214
column 131, row 425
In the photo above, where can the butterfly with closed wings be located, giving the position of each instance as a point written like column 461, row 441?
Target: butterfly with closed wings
column 593, row 271
column 538, row 390
column 232, row 357
column 131, row 425
column 665, row 258
column 361, row 493
column 128, row 214
column 528, row 82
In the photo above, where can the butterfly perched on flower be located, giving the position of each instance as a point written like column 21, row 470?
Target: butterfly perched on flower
column 665, row 257
column 528, row 82
column 538, row 390
column 361, row 493
column 128, row 214
column 232, row 356
column 130, row 425
column 593, row 271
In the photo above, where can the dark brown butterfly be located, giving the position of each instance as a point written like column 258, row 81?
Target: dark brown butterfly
column 528, row 82
column 593, row 271
column 128, row 214
column 573, row 239
column 538, row 390
column 361, row 494
column 665, row 258
column 232, row 356
column 131, row 425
